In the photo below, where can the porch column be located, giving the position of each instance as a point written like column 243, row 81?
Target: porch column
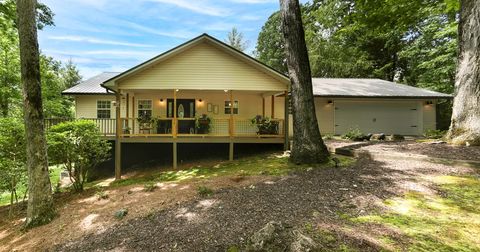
column 232, row 128
column 174, row 129
column 273, row 106
column 263, row 106
column 118, row 144
column 286, row 122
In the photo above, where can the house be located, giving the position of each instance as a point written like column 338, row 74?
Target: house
column 205, row 78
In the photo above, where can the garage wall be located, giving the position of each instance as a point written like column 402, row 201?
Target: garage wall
column 429, row 116
column 394, row 112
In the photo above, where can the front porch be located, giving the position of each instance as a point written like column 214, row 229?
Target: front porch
column 190, row 116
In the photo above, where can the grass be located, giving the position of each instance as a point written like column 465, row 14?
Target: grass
column 54, row 179
column 265, row 164
column 447, row 221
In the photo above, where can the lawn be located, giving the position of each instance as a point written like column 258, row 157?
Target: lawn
column 262, row 164
column 54, row 179
column 446, row 221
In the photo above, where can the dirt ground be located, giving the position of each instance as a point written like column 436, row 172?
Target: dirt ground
column 175, row 218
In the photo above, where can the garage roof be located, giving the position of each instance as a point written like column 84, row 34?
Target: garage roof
column 92, row 85
column 372, row 88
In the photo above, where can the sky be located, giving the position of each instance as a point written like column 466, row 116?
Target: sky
column 115, row 35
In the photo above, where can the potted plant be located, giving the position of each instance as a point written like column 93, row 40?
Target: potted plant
column 126, row 130
column 265, row 126
column 145, row 122
column 202, row 124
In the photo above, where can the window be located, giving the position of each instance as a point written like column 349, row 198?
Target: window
column 228, row 106
column 103, row 108
column 144, row 108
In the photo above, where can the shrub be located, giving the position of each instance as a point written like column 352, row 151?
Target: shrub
column 13, row 172
column 204, row 191
column 354, row 134
column 78, row 146
column 434, row 134
column 149, row 187
column 101, row 194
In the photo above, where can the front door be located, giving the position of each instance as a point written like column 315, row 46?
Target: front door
column 185, row 109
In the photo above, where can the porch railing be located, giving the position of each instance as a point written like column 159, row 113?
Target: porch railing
column 178, row 127
column 106, row 126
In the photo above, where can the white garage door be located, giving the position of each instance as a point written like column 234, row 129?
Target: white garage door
column 389, row 117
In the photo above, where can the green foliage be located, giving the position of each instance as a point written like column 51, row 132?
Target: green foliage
column 414, row 42
column 438, row 222
column 149, row 187
column 101, row 194
column 235, row 39
column 202, row 124
column 78, row 146
column 353, row 134
column 55, row 77
column 270, row 47
column 265, row 125
column 204, row 191
column 13, row 172
column 434, row 134
column 121, row 213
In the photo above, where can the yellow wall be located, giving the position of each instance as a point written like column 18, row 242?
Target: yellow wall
column 203, row 66
column 250, row 103
column 86, row 105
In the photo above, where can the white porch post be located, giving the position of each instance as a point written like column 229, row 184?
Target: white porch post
column 174, row 129
column 232, row 128
column 118, row 144
column 286, row 123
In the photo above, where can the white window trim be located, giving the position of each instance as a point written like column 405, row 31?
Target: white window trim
column 138, row 105
column 96, row 107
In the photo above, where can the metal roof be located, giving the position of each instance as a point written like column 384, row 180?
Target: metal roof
column 370, row 88
column 92, row 85
column 327, row 87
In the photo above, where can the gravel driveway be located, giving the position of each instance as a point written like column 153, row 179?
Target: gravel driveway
column 230, row 216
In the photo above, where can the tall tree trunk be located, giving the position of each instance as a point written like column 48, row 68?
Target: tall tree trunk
column 308, row 146
column 40, row 201
column 465, row 124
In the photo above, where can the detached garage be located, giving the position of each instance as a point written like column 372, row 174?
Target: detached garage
column 374, row 106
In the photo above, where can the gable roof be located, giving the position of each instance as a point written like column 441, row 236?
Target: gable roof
column 369, row 88
column 110, row 83
column 92, row 85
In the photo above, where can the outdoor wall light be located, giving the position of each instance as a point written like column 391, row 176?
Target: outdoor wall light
column 329, row 101
column 225, row 90
column 428, row 102
column 176, row 90
column 161, row 99
column 200, row 100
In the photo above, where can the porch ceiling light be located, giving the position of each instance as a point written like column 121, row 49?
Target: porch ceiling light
column 176, row 90
column 226, row 90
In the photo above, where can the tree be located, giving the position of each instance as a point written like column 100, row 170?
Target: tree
column 235, row 39
column 70, row 74
column 465, row 125
column 270, row 47
column 308, row 145
column 79, row 147
column 40, row 201
column 12, row 157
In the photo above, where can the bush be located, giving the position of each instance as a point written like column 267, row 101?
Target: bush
column 204, row 191
column 13, row 171
column 327, row 137
column 150, row 187
column 354, row 135
column 434, row 134
column 79, row 147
